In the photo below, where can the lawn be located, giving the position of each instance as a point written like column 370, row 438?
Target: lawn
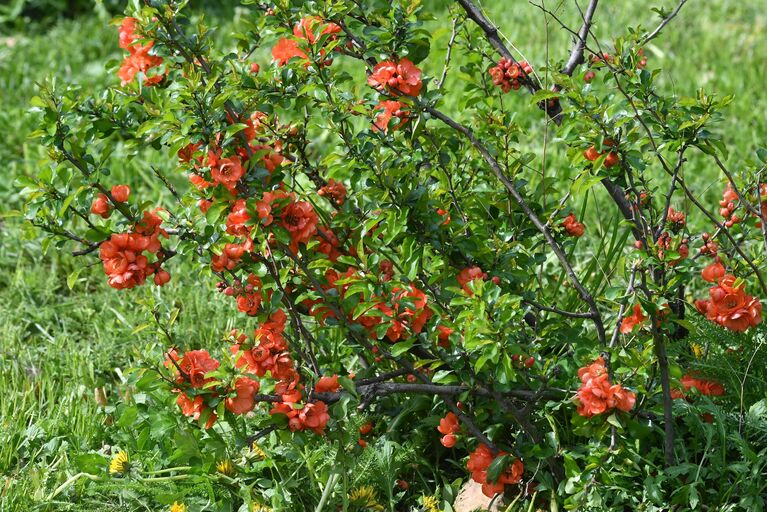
column 64, row 337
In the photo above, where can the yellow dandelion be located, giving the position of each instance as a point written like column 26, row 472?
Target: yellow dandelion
column 697, row 350
column 177, row 507
column 430, row 503
column 365, row 497
column 225, row 467
column 261, row 454
column 257, row 507
column 120, row 463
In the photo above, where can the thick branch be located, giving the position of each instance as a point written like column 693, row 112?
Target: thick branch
column 576, row 55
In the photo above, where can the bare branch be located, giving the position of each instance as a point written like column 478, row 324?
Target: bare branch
column 576, row 55
column 663, row 23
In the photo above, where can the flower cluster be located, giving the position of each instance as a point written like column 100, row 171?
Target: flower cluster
column 139, row 59
column 122, row 254
column 389, row 109
column 597, row 395
column 478, row 464
column 268, row 352
column 728, row 205
column 449, row 427
column 191, row 370
column 509, row 75
column 612, row 159
column 573, row 227
column 468, row 275
column 304, row 32
column 729, row 305
column 397, row 78
column 703, row 386
column 630, row 321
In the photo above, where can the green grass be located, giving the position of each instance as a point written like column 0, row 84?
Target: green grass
column 57, row 344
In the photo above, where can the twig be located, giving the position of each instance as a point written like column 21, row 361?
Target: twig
column 448, row 54
column 663, row 23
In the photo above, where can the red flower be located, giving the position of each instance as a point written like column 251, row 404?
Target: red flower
column 286, row 49
column 444, row 336
column 449, row 424
column 237, row 218
column 389, row 109
column 596, row 395
column 243, row 401
column 449, row 427
column 264, row 206
column 127, row 32
column 195, row 364
column 470, row 274
column 508, row 75
column 329, row 243
column 334, row 190
column 186, row 153
column 138, row 60
column 120, row 193
column 629, row 322
column 704, row 386
column 445, row 214
column 713, row 272
column 327, row 384
column 161, row 277
column 400, row 78
column 730, row 306
column 101, row 206
column 308, row 25
column 195, row 408
column 249, row 303
column 573, row 227
column 300, row 219
column 480, row 460
column 314, row 416
column 227, row 172
column 122, row 257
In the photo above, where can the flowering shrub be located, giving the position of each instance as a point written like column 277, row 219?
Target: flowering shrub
column 392, row 272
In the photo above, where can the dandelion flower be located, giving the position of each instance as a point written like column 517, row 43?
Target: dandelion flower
column 365, row 497
column 261, row 454
column 177, row 507
column 120, row 463
column 225, row 467
column 430, row 503
column 257, row 507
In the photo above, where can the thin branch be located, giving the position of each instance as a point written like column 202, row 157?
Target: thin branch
column 448, row 54
column 663, row 23
column 562, row 312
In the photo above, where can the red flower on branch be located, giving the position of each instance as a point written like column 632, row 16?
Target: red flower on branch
column 636, row 318
column 730, row 306
column 398, row 78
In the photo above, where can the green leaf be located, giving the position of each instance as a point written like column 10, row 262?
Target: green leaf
column 497, row 467
column 72, row 278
